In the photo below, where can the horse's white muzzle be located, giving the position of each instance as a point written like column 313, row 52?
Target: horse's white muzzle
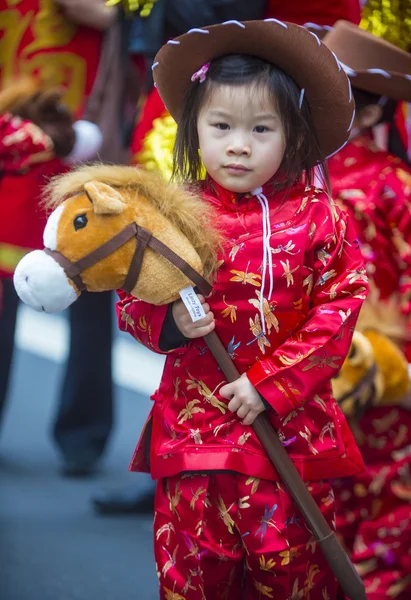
column 42, row 283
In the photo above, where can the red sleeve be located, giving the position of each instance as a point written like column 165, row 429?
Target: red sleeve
column 396, row 198
column 22, row 144
column 143, row 321
column 300, row 367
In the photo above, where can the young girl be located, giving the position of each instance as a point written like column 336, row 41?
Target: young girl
column 288, row 292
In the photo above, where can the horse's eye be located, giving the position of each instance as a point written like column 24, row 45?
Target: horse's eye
column 80, row 222
column 353, row 352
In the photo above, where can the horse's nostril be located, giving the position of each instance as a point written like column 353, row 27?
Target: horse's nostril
column 27, row 278
column 43, row 309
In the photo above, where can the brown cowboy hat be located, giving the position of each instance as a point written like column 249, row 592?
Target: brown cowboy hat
column 295, row 50
column 372, row 64
column 319, row 30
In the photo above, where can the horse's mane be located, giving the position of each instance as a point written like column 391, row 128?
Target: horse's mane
column 188, row 212
column 383, row 316
column 17, row 92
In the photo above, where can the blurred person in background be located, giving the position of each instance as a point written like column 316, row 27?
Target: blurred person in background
column 78, row 46
column 374, row 187
column 153, row 136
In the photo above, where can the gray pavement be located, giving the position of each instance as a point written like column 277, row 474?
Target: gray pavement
column 52, row 545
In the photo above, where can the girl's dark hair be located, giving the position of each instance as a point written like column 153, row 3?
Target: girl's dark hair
column 301, row 142
column 389, row 107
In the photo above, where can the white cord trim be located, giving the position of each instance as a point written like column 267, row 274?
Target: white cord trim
column 276, row 21
column 267, row 254
column 234, row 22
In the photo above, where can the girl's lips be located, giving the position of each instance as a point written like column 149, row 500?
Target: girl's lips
column 236, row 169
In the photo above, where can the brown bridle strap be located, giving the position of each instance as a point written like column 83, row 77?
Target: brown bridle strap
column 144, row 238
column 203, row 285
column 67, row 266
column 73, row 270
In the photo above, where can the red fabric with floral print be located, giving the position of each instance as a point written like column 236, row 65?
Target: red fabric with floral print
column 319, row 286
column 209, row 527
column 38, row 40
column 22, row 221
column 374, row 187
column 20, row 142
column 374, row 507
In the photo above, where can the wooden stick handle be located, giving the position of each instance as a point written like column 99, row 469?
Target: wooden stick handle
column 334, row 553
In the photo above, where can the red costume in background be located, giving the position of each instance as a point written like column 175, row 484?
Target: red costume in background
column 22, row 144
column 374, row 187
column 37, row 39
column 373, row 508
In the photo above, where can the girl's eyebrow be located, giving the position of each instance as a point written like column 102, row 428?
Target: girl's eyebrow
column 219, row 113
column 266, row 116
column 226, row 114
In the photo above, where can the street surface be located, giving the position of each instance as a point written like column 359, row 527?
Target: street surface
column 52, row 545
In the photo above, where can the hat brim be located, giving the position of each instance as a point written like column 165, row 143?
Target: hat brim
column 320, row 30
column 373, row 64
column 393, row 85
column 293, row 49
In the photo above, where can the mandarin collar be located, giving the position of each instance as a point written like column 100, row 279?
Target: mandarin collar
column 232, row 200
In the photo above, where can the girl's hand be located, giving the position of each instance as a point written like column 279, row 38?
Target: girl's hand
column 185, row 324
column 245, row 400
column 91, row 13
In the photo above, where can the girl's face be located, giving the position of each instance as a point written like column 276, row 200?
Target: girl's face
column 241, row 137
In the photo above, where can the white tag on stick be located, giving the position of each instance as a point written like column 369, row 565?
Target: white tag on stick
column 192, row 303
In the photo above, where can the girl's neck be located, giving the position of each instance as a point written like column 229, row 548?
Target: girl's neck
column 273, row 186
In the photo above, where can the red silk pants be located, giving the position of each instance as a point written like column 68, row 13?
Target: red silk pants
column 233, row 537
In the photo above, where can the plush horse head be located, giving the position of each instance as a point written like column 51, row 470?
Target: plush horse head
column 375, row 372
column 115, row 227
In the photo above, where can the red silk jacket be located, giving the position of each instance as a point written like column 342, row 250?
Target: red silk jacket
column 20, row 142
column 374, row 187
column 38, row 40
column 25, row 163
column 319, row 286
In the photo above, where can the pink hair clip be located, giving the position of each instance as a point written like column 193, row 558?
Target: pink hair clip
column 200, row 75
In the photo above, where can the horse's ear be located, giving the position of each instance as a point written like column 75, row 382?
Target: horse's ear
column 105, row 199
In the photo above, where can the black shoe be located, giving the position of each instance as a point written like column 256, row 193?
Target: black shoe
column 125, row 502
column 78, row 468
